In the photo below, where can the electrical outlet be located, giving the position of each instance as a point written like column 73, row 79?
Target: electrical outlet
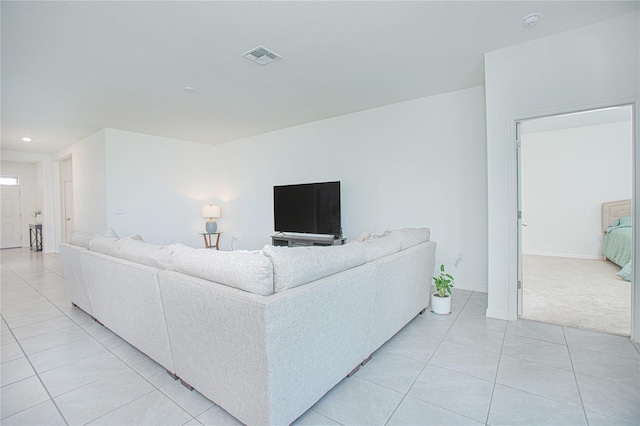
column 459, row 259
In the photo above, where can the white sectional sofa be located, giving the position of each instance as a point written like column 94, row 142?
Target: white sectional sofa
column 264, row 334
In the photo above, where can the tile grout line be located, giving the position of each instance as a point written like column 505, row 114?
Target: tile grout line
column 117, row 408
column 93, row 337
column 39, row 379
column 575, row 378
column 90, row 335
column 130, row 367
column 20, row 345
column 495, row 379
column 323, row 415
column 430, row 356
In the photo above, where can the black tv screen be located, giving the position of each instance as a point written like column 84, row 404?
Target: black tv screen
column 307, row 208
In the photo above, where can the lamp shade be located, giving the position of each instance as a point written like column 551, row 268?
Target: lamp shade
column 210, row 211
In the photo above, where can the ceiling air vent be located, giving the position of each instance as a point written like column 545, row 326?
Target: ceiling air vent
column 261, row 55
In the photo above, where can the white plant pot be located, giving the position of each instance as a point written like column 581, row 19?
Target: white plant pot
column 440, row 305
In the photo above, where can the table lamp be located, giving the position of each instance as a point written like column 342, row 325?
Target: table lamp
column 211, row 212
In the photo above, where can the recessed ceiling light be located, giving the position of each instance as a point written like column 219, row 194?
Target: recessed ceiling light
column 25, row 139
column 188, row 89
column 530, row 20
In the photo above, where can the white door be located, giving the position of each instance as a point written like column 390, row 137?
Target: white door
column 68, row 209
column 11, row 221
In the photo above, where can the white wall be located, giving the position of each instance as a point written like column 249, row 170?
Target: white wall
column 416, row 163
column 566, row 176
column 44, row 179
column 29, row 200
column 588, row 67
column 89, row 184
column 156, row 187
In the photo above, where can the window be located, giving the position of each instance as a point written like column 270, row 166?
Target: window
column 9, row 180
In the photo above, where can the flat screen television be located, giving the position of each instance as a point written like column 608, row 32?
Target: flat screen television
column 312, row 208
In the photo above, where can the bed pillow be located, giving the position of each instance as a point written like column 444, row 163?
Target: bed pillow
column 624, row 221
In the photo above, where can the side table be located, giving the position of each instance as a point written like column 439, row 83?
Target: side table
column 208, row 240
column 35, row 237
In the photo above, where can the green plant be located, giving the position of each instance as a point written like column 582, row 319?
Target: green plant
column 444, row 283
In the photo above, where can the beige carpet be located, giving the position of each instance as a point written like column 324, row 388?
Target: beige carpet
column 578, row 293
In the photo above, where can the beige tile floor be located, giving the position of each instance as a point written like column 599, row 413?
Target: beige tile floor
column 61, row 367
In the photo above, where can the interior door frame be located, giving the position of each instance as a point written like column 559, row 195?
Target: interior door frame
column 519, row 216
column 67, row 202
column 635, row 282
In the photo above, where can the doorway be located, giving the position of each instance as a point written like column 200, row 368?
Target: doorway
column 571, row 168
column 11, row 212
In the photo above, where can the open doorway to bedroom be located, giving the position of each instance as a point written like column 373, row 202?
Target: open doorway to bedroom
column 575, row 190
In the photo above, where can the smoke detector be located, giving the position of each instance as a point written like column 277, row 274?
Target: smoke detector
column 261, row 55
column 530, row 20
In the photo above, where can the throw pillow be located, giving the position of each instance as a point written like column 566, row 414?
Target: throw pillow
column 110, row 233
column 365, row 235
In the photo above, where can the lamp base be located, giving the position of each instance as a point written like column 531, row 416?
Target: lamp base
column 211, row 226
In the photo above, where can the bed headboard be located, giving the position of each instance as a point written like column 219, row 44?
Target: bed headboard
column 611, row 211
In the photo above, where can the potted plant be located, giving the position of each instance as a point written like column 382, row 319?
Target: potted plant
column 38, row 216
column 441, row 299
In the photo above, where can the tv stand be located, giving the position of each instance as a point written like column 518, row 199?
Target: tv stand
column 304, row 241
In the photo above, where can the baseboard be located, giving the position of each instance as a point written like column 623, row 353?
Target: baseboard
column 572, row 256
column 503, row 315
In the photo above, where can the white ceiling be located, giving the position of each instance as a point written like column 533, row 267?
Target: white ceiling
column 72, row 68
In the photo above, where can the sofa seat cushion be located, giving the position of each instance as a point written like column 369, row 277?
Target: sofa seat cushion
column 296, row 266
column 248, row 271
column 153, row 255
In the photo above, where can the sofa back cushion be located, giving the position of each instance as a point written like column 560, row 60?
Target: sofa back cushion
column 106, row 245
column 410, row 237
column 381, row 246
column 80, row 238
column 110, row 246
column 248, row 271
column 153, row 255
column 300, row 265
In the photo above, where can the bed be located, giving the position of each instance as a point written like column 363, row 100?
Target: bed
column 618, row 240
